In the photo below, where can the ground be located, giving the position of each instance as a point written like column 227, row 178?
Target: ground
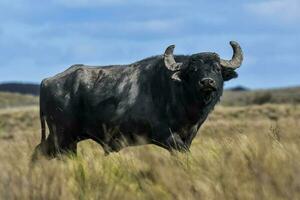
column 241, row 152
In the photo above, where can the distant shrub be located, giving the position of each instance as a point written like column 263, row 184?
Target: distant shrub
column 271, row 96
column 262, row 98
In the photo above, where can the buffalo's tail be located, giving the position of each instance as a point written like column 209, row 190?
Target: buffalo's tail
column 40, row 148
column 43, row 127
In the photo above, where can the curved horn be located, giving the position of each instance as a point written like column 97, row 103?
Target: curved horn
column 169, row 59
column 237, row 57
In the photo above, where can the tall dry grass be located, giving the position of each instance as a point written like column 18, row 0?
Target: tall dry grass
column 8, row 100
column 241, row 153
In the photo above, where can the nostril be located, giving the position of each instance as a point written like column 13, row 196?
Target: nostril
column 207, row 81
column 208, row 84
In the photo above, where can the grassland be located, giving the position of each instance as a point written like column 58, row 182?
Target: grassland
column 241, row 152
column 9, row 100
column 289, row 95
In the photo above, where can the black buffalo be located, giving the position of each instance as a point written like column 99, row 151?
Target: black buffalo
column 160, row 100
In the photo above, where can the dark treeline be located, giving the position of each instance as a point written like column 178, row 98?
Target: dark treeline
column 22, row 88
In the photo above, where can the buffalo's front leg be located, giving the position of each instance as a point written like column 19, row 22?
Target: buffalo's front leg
column 175, row 143
column 169, row 140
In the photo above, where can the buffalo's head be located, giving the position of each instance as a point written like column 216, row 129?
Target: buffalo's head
column 204, row 73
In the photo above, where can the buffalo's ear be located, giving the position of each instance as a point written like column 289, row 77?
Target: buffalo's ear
column 228, row 74
column 176, row 76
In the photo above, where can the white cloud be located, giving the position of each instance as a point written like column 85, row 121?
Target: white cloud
column 100, row 3
column 88, row 3
column 284, row 10
column 155, row 25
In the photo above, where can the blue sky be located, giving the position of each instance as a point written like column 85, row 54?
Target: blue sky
column 41, row 38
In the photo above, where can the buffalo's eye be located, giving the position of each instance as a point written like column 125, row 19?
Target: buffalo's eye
column 217, row 67
column 194, row 68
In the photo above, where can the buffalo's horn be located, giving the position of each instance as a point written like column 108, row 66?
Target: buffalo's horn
column 237, row 57
column 169, row 59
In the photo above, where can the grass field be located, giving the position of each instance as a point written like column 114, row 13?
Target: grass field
column 249, row 152
column 9, row 100
column 290, row 95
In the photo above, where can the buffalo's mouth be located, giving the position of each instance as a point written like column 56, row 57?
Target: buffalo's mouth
column 208, row 93
column 209, row 89
column 207, row 96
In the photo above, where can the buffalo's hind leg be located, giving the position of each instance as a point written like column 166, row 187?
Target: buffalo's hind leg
column 61, row 141
column 62, row 144
column 39, row 150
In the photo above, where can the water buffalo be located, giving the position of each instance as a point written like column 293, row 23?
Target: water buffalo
column 160, row 100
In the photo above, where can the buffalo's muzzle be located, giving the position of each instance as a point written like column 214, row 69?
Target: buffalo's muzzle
column 208, row 84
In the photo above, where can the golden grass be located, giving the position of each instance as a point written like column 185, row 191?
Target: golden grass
column 241, row 153
column 8, row 100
